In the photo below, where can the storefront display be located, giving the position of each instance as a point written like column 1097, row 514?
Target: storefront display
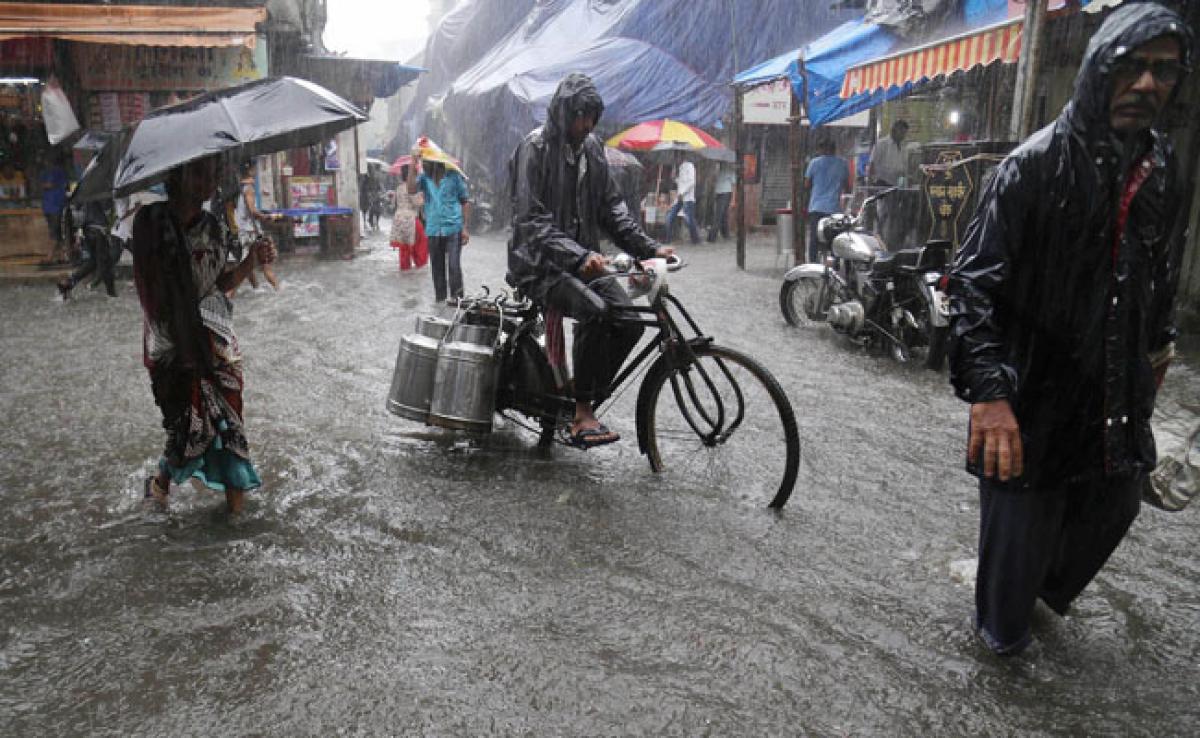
column 23, row 151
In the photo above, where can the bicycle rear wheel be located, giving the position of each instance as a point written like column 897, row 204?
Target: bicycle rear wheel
column 721, row 424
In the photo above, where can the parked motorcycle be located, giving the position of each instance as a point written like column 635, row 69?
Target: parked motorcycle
column 873, row 296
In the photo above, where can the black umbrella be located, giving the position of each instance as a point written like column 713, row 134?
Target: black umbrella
column 93, row 140
column 256, row 118
column 96, row 182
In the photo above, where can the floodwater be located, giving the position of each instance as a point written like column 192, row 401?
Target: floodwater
column 393, row 579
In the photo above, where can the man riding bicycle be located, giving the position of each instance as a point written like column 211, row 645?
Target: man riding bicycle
column 563, row 197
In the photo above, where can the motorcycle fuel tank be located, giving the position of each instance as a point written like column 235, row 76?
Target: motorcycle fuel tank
column 856, row 246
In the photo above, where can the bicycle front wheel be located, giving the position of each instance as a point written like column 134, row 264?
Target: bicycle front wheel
column 721, row 424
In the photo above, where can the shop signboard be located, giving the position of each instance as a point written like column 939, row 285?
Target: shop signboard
column 111, row 68
column 768, row 104
column 954, row 176
column 26, row 54
column 947, row 188
column 315, row 191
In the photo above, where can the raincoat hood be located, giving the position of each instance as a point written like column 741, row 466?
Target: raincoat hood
column 1065, row 282
column 564, row 198
column 1127, row 28
column 575, row 93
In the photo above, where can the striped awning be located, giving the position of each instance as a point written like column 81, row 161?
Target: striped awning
column 996, row 43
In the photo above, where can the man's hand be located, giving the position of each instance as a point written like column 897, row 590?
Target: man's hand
column 995, row 434
column 593, row 266
column 465, row 237
column 664, row 252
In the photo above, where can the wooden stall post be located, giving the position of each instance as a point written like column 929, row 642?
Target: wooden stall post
column 1027, row 69
column 740, row 182
column 798, row 152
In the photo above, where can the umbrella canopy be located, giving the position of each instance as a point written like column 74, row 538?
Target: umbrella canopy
column 619, row 159
column 260, row 117
column 430, row 151
column 93, row 140
column 401, row 161
column 645, row 136
column 716, row 154
column 96, row 182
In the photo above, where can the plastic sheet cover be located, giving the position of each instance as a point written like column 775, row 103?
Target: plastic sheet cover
column 649, row 59
column 826, row 60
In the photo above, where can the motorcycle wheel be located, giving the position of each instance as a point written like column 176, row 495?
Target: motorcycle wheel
column 935, row 359
column 803, row 301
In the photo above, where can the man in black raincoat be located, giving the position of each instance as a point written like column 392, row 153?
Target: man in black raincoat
column 563, row 197
column 1062, row 321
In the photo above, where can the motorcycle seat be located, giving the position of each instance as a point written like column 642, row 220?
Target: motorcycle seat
column 890, row 262
column 932, row 257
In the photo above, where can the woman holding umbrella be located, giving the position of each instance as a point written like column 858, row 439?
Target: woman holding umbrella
column 179, row 260
column 189, row 347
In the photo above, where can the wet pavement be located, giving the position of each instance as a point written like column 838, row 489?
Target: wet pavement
column 394, row 579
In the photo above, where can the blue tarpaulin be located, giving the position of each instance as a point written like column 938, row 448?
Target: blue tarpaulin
column 649, row 59
column 826, row 61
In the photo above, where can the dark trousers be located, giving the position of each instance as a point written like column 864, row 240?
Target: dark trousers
column 720, row 216
column 814, row 246
column 446, row 251
column 54, row 224
column 689, row 213
column 98, row 257
column 1044, row 543
column 601, row 343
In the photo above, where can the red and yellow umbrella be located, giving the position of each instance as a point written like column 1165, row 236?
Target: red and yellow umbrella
column 646, row 136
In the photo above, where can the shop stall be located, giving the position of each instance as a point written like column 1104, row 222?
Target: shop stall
column 311, row 218
column 25, row 152
column 112, row 65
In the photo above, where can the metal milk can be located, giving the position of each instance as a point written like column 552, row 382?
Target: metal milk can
column 464, row 388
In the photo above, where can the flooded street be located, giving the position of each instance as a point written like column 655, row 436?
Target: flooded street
column 393, row 579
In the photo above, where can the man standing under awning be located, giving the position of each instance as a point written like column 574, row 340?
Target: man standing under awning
column 887, row 168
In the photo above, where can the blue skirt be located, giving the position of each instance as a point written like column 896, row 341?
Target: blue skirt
column 218, row 468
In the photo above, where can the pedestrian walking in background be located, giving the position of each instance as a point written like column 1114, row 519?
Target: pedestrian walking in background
column 888, row 167
column 248, row 219
column 685, row 201
column 446, row 207
column 722, row 193
column 368, row 201
column 408, row 232
column 189, row 347
column 1063, row 325
column 54, row 201
column 95, row 248
column 827, row 177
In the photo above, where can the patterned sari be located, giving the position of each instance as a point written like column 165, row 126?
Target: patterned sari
column 190, row 349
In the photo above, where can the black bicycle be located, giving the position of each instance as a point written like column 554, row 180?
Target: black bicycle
column 706, row 414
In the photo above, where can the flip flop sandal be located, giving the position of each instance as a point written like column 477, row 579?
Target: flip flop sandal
column 592, row 437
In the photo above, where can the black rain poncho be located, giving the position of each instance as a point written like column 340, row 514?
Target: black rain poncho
column 1046, row 310
column 557, row 216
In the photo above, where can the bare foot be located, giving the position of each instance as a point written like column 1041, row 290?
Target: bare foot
column 269, row 272
column 156, row 490
column 235, row 499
